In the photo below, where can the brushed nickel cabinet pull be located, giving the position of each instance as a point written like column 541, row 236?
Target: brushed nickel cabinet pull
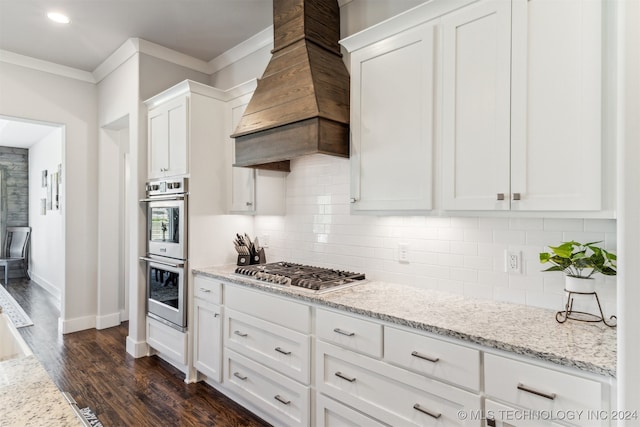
column 550, row 396
column 341, row 332
column 345, row 377
column 205, row 290
column 279, row 350
column 500, row 196
column 239, row 375
column 240, row 334
column 249, row 204
column 424, row 357
column 435, row 415
column 281, row 399
column 216, row 314
column 516, row 196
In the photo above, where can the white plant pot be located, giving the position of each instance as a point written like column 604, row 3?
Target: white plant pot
column 579, row 284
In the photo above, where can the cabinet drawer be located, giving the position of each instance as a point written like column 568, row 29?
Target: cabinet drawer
column 279, row 348
column 267, row 307
column 330, row 413
column 277, row 395
column 168, row 341
column 350, row 332
column 540, row 388
column 390, row 394
column 209, row 290
column 450, row 362
column 507, row 416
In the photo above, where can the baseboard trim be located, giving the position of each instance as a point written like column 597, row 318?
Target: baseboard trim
column 108, row 320
column 67, row 326
column 137, row 348
column 46, row 285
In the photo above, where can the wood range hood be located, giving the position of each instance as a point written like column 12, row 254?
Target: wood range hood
column 301, row 103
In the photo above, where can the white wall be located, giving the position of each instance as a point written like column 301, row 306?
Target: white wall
column 41, row 96
column 47, row 231
column 461, row 255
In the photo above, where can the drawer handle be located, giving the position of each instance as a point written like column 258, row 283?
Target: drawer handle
column 435, row 415
column 341, row 332
column 281, row 399
column 550, row 396
column 239, row 375
column 345, row 377
column 205, row 290
column 240, row 334
column 279, row 350
column 216, row 314
column 424, row 357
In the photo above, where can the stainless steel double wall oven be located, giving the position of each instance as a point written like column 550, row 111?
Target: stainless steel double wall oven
column 167, row 250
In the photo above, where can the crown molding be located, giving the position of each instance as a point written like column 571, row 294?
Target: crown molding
column 45, row 66
column 116, row 59
column 245, row 48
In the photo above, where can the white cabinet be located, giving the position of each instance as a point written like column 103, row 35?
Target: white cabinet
column 522, row 106
column 499, row 415
column 169, row 342
column 392, row 119
column 267, row 354
column 207, row 328
column 252, row 191
column 389, row 394
column 541, row 390
column 168, row 136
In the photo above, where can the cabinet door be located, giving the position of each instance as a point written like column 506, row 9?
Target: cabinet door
column 168, row 139
column 476, row 106
column 499, row 415
column 556, row 111
column 392, row 117
column 207, row 340
column 243, row 180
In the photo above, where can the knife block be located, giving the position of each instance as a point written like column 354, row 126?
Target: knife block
column 259, row 258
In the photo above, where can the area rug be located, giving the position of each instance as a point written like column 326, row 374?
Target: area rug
column 91, row 418
column 13, row 309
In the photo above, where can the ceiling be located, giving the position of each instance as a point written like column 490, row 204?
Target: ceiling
column 203, row 29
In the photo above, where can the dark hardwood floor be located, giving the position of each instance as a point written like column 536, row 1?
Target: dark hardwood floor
column 95, row 368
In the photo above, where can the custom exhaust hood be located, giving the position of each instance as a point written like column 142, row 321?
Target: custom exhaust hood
column 301, row 103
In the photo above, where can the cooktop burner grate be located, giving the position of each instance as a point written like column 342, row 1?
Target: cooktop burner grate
column 317, row 279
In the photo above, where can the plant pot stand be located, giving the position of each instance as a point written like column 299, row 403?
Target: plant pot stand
column 569, row 313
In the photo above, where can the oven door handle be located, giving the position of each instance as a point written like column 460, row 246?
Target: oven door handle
column 164, row 198
column 170, row 264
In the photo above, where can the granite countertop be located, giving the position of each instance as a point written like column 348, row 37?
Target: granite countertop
column 528, row 331
column 28, row 396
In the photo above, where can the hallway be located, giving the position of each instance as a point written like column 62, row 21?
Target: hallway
column 95, row 369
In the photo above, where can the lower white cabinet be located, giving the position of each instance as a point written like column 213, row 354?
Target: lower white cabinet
column 281, row 397
column 542, row 390
column 330, row 413
column 389, row 394
column 169, row 342
column 499, row 415
column 208, row 342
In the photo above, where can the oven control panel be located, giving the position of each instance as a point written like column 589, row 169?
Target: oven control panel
column 167, row 186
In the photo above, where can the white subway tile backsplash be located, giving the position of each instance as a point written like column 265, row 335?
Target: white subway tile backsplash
column 561, row 224
column 460, row 255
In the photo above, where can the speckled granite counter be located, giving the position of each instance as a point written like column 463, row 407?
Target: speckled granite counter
column 28, row 397
column 528, row 331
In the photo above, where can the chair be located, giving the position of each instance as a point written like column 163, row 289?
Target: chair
column 15, row 250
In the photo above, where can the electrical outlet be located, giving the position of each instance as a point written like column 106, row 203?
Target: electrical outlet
column 264, row 240
column 403, row 253
column 513, row 262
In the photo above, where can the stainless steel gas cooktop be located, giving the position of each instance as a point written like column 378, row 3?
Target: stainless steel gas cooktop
column 306, row 277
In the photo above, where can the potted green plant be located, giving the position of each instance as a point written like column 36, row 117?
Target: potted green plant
column 579, row 262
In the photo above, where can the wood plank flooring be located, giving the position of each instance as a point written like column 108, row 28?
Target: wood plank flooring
column 95, row 368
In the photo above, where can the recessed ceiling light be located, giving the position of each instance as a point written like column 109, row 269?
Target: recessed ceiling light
column 58, row 17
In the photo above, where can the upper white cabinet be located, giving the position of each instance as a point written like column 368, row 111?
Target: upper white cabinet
column 522, row 107
column 392, row 119
column 253, row 191
column 168, row 136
